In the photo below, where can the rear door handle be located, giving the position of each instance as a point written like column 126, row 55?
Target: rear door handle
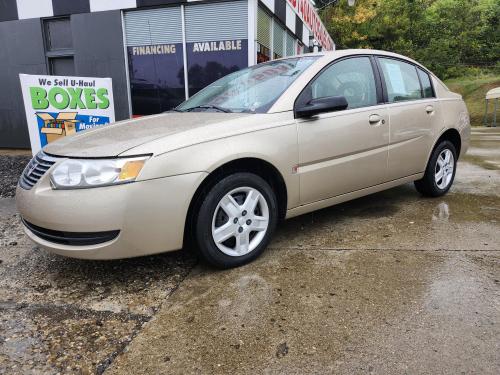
column 376, row 120
column 429, row 109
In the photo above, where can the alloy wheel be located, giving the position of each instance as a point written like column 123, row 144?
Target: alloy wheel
column 240, row 221
column 443, row 172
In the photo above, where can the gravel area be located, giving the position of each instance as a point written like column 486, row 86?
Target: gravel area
column 67, row 316
column 11, row 167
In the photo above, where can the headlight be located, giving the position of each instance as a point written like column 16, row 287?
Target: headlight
column 88, row 173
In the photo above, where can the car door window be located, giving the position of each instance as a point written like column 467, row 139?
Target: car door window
column 401, row 80
column 352, row 78
column 426, row 83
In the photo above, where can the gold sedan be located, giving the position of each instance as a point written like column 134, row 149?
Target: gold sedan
column 266, row 143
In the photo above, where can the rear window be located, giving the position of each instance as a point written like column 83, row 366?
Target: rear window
column 426, row 83
column 401, row 80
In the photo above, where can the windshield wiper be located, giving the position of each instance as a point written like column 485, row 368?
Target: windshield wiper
column 209, row 106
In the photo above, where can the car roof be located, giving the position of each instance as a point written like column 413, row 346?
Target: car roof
column 339, row 53
column 351, row 52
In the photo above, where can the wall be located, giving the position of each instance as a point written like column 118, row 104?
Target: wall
column 98, row 45
column 21, row 51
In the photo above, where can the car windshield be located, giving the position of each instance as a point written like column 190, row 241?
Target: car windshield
column 252, row 90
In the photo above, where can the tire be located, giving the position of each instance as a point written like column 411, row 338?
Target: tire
column 227, row 232
column 431, row 185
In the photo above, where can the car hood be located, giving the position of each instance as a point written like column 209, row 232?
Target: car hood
column 117, row 138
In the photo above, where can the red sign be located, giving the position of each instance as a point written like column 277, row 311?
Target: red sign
column 308, row 14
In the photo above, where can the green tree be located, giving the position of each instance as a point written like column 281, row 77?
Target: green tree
column 445, row 35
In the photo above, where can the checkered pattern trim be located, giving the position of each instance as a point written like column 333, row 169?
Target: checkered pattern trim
column 284, row 10
column 22, row 9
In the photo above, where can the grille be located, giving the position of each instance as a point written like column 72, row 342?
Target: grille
column 35, row 169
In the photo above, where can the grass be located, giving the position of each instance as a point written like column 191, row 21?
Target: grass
column 474, row 89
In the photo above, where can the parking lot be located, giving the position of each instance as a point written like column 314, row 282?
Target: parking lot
column 391, row 283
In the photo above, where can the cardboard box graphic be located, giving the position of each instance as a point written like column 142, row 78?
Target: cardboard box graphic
column 54, row 128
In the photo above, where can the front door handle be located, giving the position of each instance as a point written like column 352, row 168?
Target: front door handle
column 429, row 109
column 375, row 120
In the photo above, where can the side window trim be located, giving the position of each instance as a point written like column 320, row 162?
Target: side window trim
column 378, row 80
column 422, row 93
column 420, row 69
column 417, row 67
column 304, row 96
column 385, row 96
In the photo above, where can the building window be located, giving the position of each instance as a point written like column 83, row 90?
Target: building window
column 155, row 59
column 264, row 21
column 62, row 66
column 301, row 48
column 216, row 42
column 58, row 34
column 278, row 40
column 220, row 46
column 263, row 53
column 273, row 39
column 290, row 44
column 59, row 46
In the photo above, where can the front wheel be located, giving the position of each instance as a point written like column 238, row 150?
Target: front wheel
column 236, row 220
column 440, row 171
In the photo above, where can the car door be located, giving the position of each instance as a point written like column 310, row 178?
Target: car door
column 343, row 151
column 413, row 114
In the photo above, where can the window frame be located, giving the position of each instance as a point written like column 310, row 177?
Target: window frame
column 303, row 98
column 421, row 84
column 57, row 53
column 52, row 60
column 415, row 66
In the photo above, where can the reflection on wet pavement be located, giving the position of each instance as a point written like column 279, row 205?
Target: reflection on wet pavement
column 391, row 283
column 441, row 212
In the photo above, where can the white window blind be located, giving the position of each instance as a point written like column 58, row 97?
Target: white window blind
column 263, row 28
column 153, row 26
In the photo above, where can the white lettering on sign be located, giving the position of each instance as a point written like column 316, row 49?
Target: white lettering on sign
column 224, row 45
column 159, row 49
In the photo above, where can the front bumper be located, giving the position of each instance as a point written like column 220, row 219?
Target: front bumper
column 149, row 215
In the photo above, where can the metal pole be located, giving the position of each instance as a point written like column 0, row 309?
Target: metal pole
column 495, row 113
column 127, row 67
column 184, row 52
column 485, row 121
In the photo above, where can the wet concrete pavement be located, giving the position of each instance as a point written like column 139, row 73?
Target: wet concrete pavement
column 390, row 283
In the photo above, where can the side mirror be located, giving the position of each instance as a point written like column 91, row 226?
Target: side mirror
column 322, row 105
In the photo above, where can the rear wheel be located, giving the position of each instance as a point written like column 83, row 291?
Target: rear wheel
column 236, row 220
column 440, row 171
